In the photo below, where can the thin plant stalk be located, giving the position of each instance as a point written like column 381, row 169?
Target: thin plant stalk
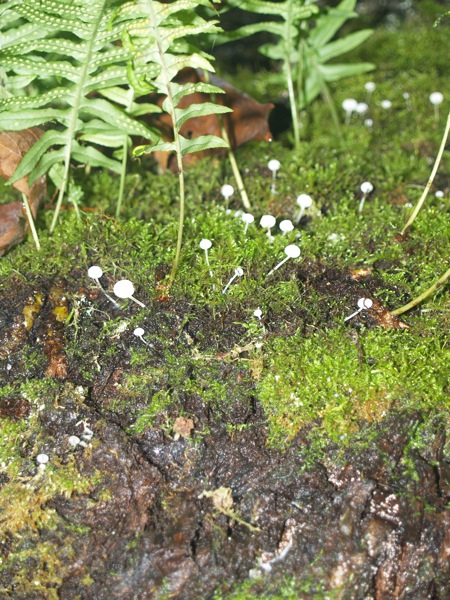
column 290, row 84
column 123, row 172
column 425, row 294
column 431, row 179
column 231, row 157
column 31, row 221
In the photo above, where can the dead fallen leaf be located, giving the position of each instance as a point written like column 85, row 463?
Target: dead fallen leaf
column 385, row 318
column 13, row 223
column 183, row 427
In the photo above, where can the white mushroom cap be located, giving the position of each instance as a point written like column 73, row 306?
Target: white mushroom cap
column 74, row 440
column 304, row 201
column 274, row 165
column 436, row 98
column 292, row 251
column 370, row 86
column 42, row 459
column 248, row 218
column 349, row 104
column 123, row 288
column 205, row 244
column 286, row 226
column 267, row 221
column 239, row 272
column 227, row 190
column 95, row 272
column 257, row 313
column 386, row 104
column 362, row 108
column 366, row 187
column 138, row 332
column 364, row 303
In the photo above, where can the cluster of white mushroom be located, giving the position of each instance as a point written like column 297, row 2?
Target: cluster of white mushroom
column 123, row 289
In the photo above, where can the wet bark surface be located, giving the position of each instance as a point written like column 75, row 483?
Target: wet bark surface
column 371, row 525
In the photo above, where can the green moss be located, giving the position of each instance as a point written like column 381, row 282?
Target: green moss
column 338, row 382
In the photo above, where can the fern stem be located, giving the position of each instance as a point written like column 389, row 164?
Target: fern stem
column 31, row 221
column 290, row 82
column 424, row 295
column 123, row 172
column 431, row 179
column 74, row 115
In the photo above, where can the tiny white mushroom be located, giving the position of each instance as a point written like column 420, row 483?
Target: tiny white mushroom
column 304, row 201
column 227, row 191
column 139, row 333
column 95, row 272
column 238, row 272
column 363, row 304
column 274, row 165
column 368, row 122
column 74, row 440
column 366, row 188
column 407, row 99
column 205, row 245
column 286, row 226
column 248, row 219
column 257, row 313
column 267, row 222
column 125, row 289
column 436, row 98
column 42, row 460
column 439, row 194
column 362, row 108
column 370, row 87
column 291, row 251
column 349, row 105
column 386, row 104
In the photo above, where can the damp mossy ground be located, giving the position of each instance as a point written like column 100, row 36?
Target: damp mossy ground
column 307, row 368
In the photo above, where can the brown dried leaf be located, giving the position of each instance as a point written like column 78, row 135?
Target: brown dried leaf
column 13, row 224
column 183, row 427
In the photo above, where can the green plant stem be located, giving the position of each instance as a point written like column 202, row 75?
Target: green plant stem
column 234, row 167
column 31, row 221
column 290, row 84
column 431, row 179
column 123, row 172
column 425, row 294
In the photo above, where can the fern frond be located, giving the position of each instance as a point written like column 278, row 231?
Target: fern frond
column 74, row 51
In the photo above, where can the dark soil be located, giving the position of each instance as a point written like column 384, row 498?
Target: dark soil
column 371, row 524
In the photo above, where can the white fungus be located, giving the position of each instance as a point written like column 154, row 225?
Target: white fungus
column 370, row 87
column 362, row 108
column 368, row 122
column 227, row 191
column 205, row 245
column 349, row 105
column 42, row 459
column 386, row 104
column 125, row 289
column 274, row 166
column 267, row 222
column 363, row 304
column 286, row 226
column 291, row 251
column 74, row 440
column 139, row 333
column 304, row 202
column 436, row 98
column 248, row 219
column 238, row 272
column 366, row 188
column 95, row 272
column 257, row 313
